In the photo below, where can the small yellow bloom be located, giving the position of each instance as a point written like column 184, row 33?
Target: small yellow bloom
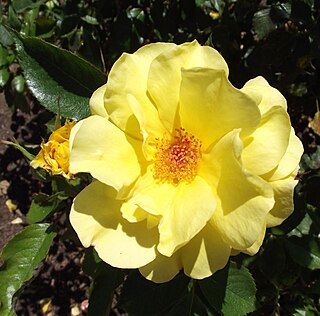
column 187, row 169
column 54, row 154
column 215, row 15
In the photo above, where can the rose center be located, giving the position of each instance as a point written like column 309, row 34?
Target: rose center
column 177, row 159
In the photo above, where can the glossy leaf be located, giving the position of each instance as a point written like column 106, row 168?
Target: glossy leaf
column 52, row 73
column 6, row 38
column 230, row 291
column 305, row 251
column 18, row 83
column 262, row 23
column 3, row 56
column 41, row 207
column 20, row 257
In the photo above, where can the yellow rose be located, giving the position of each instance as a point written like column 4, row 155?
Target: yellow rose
column 54, row 155
column 188, row 169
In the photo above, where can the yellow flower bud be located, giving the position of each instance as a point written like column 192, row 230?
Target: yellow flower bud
column 54, row 154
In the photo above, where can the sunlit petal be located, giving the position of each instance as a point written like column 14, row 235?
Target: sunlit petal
column 96, row 217
column 104, row 154
column 210, row 106
column 165, row 76
column 260, row 154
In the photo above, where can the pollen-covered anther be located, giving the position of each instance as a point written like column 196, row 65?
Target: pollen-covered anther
column 178, row 159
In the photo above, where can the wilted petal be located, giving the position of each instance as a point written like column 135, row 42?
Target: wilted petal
column 96, row 217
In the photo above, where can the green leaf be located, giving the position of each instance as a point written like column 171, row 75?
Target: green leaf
column 305, row 251
column 28, row 155
column 311, row 162
column 230, row 291
column 3, row 56
column 90, row 20
column 20, row 257
column 219, row 5
column 135, row 14
column 52, row 73
column 42, row 206
column 13, row 19
column 4, row 76
column 6, row 38
column 68, row 188
column 303, row 228
column 21, row 5
column 262, row 23
column 105, row 280
column 18, row 83
column 143, row 297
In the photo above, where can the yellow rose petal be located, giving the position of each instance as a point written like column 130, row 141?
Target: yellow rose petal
column 265, row 96
column 165, row 76
column 290, row 160
column 185, row 209
column 205, row 254
column 189, row 210
column 101, row 149
column 201, row 257
column 96, row 217
column 97, row 104
column 162, row 269
column 210, row 106
column 265, row 147
column 283, row 194
column 55, row 153
column 256, row 245
column 244, row 199
column 129, row 76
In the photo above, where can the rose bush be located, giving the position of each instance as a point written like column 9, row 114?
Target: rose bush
column 54, row 154
column 187, row 169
